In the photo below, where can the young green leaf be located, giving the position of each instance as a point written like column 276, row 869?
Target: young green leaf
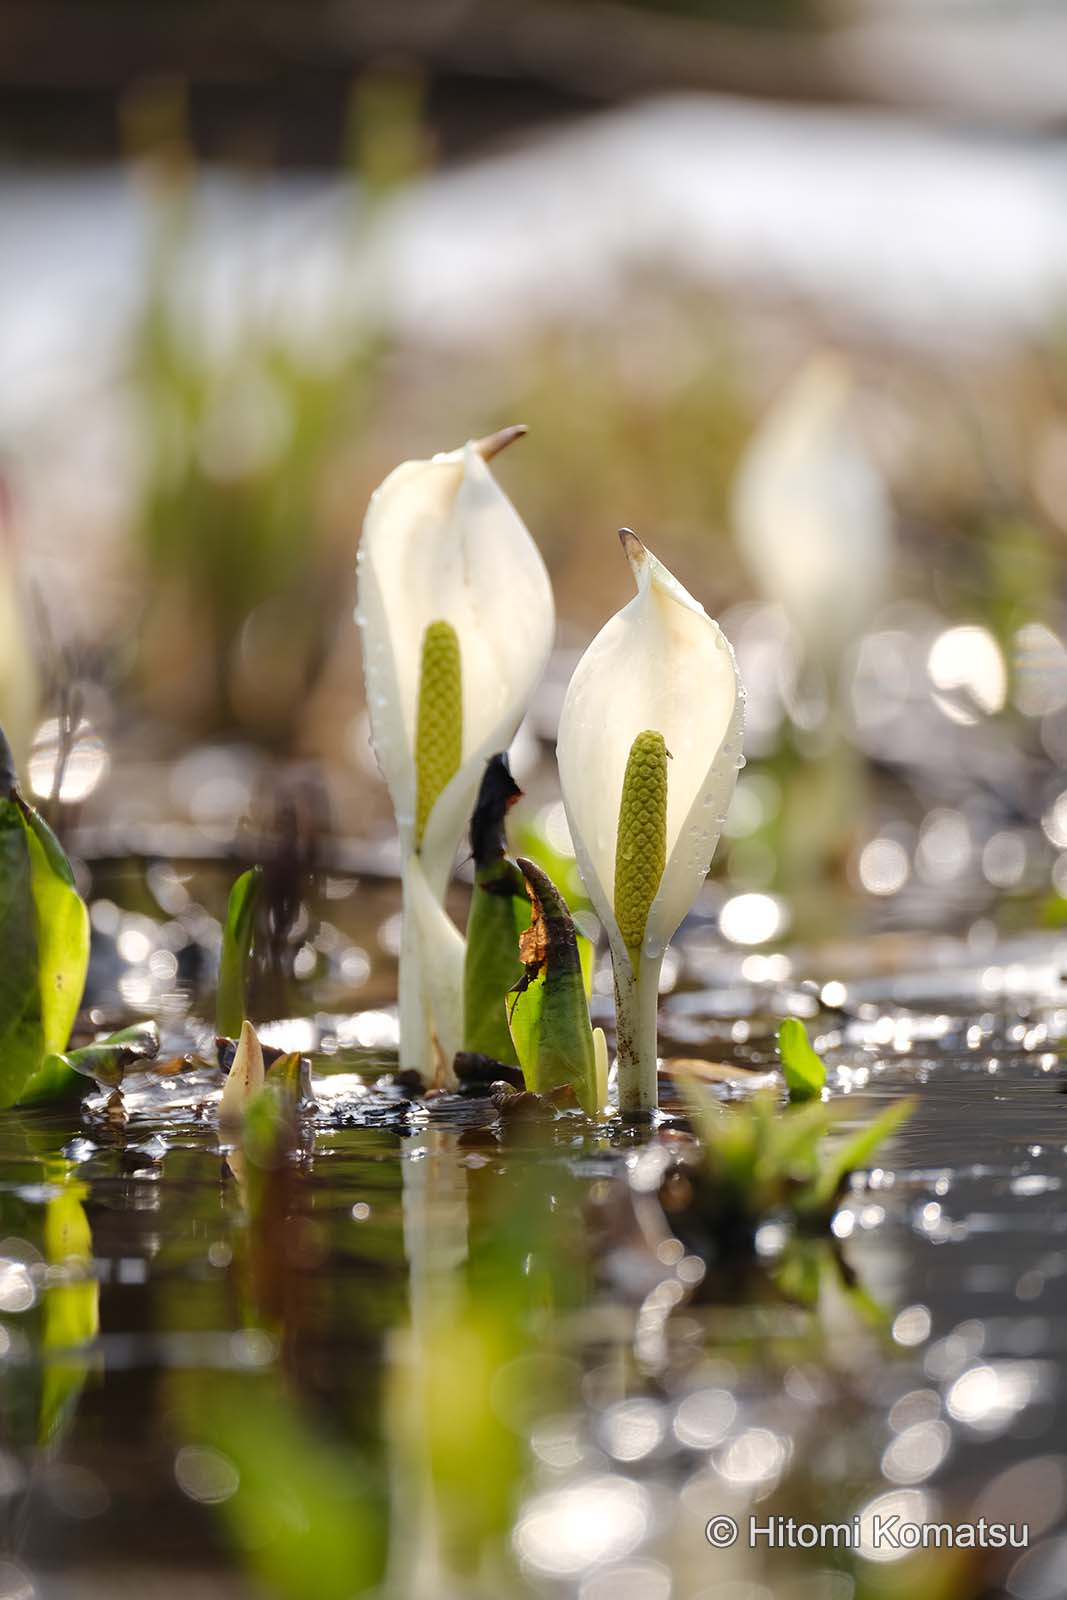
column 21, row 1033
column 44, row 934
column 230, row 1003
column 795, row 1136
column 549, row 1014
column 857, row 1151
column 729, row 1136
column 804, row 1072
column 270, row 1125
column 107, row 1061
column 499, row 914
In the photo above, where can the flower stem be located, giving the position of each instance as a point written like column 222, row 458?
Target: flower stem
column 416, row 1038
column 636, row 1005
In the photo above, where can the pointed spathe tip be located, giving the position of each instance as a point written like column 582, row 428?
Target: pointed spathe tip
column 634, row 551
column 492, row 445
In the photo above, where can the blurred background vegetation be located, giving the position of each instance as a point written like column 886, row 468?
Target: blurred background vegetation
column 258, row 259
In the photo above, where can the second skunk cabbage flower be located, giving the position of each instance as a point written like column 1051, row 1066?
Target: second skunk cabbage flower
column 811, row 511
column 458, row 621
column 649, row 749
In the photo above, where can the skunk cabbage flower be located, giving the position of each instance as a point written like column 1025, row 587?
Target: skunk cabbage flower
column 458, row 621
column 811, row 511
column 649, row 748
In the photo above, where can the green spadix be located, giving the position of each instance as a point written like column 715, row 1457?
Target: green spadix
column 641, row 852
column 439, row 723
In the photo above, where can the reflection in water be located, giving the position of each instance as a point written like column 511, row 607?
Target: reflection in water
column 427, row 1351
column 70, row 1303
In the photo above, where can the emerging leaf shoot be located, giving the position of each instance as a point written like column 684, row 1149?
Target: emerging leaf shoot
column 232, row 998
column 549, row 1014
column 804, row 1072
column 500, row 912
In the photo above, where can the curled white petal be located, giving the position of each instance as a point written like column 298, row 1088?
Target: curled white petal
column 811, row 510
column 660, row 663
column 442, row 542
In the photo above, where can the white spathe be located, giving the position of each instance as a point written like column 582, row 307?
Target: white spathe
column 811, row 510
column 660, row 663
column 432, row 954
column 443, row 543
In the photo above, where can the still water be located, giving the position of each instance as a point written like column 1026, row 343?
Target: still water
column 436, row 1350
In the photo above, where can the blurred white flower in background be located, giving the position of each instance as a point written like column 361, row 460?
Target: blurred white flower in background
column 811, row 511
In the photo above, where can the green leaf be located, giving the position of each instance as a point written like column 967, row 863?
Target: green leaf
column 499, row 914
column 21, row 1031
column 562, row 869
column 793, row 1147
column 857, row 1151
column 804, row 1072
column 54, row 1081
column 726, row 1135
column 62, row 950
column 107, row 1061
column 269, row 1127
column 549, row 1014
column 230, row 1003
column 44, row 935
column 62, row 931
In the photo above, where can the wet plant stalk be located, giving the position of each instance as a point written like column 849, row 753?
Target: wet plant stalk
column 416, row 1034
column 636, row 1006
